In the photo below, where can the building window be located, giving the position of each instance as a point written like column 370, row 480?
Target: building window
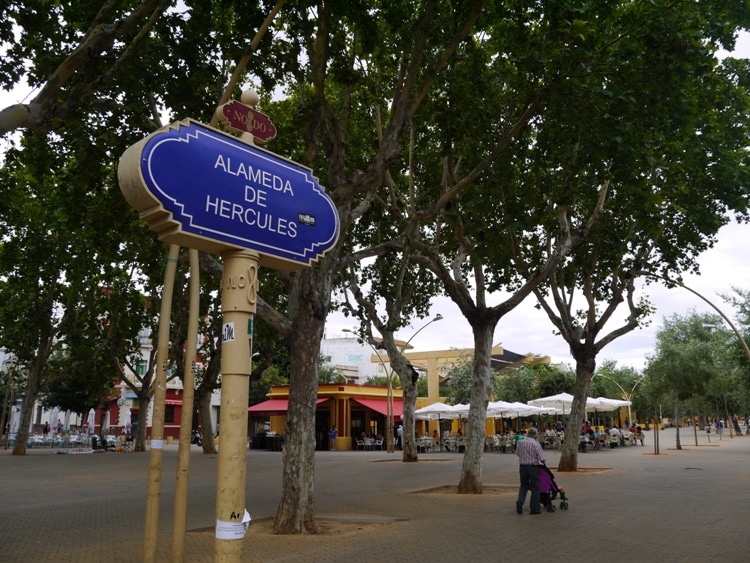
column 169, row 413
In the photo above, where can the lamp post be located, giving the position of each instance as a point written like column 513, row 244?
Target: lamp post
column 723, row 316
column 361, row 338
column 390, row 446
column 628, row 396
column 714, row 307
column 389, row 424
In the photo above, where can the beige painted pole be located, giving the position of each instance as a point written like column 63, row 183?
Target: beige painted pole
column 186, row 418
column 153, row 495
column 239, row 292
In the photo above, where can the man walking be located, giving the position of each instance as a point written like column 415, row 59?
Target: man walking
column 333, row 434
column 530, row 457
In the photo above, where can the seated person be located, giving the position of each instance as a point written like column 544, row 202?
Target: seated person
column 615, row 432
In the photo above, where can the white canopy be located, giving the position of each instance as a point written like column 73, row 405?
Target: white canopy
column 559, row 401
column 563, row 401
column 436, row 411
column 53, row 418
column 91, row 421
column 605, row 404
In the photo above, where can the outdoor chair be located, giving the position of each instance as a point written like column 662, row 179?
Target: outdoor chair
column 360, row 444
column 489, row 443
column 559, row 440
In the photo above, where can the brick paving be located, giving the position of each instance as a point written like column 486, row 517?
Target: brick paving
column 685, row 505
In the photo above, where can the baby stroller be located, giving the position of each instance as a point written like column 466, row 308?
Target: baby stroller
column 548, row 490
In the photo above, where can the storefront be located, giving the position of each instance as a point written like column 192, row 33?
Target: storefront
column 353, row 409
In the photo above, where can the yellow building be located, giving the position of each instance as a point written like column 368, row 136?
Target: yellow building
column 353, row 409
column 356, row 409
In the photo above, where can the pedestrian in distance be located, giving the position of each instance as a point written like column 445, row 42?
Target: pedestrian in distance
column 530, row 457
column 333, row 434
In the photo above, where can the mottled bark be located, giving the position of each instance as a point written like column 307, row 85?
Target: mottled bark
column 308, row 303
column 409, row 400
column 471, row 470
column 584, row 372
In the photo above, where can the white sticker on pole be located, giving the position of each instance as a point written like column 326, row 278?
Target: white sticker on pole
column 232, row 530
column 157, row 444
column 227, row 332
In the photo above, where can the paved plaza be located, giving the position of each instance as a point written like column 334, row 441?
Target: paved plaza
column 686, row 505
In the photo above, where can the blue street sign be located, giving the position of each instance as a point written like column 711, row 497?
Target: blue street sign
column 204, row 189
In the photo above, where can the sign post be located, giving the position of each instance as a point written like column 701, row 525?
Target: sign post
column 204, row 189
column 239, row 292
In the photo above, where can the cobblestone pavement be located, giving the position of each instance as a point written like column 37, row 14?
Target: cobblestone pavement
column 680, row 505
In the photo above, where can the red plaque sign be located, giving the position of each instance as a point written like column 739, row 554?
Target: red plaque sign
column 244, row 118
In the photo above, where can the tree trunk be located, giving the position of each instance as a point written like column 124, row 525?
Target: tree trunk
column 409, row 400
column 144, row 400
column 296, row 511
column 471, row 471
column 678, row 445
column 33, row 384
column 584, row 372
column 30, row 396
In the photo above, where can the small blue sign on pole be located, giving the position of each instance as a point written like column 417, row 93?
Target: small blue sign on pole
column 201, row 188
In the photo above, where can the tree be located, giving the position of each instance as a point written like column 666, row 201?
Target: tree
column 662, row 208
column 343, row 50
column 685, row 359
column 86, row 64
column 459, row 377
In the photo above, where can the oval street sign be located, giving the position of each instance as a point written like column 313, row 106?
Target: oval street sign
column 244, row 118
column 203, row 189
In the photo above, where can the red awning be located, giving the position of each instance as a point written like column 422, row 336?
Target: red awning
column 380, row 406
column 273, row 406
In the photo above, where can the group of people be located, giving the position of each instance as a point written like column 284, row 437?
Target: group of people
column 612, row 436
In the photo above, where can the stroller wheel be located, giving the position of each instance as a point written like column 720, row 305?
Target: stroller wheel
column 563, row 505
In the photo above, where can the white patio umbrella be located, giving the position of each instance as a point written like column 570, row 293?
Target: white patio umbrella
column 605, row 404
column 436, row 411
column 462, row 410
column 15, row 419
column 559, row 401
column 602, row 404
column 128, row 422
column 53, row 418
column 91, row 420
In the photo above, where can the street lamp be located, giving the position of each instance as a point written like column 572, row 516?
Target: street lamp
column 628, row 396
column 723, row 316
column 389, row 409
column 389, row 378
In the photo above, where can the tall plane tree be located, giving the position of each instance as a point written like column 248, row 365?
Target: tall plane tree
column 676, row 166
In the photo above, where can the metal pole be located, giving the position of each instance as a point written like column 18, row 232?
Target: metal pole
column 186, row 417
column 157, row 425
column 239, row 294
